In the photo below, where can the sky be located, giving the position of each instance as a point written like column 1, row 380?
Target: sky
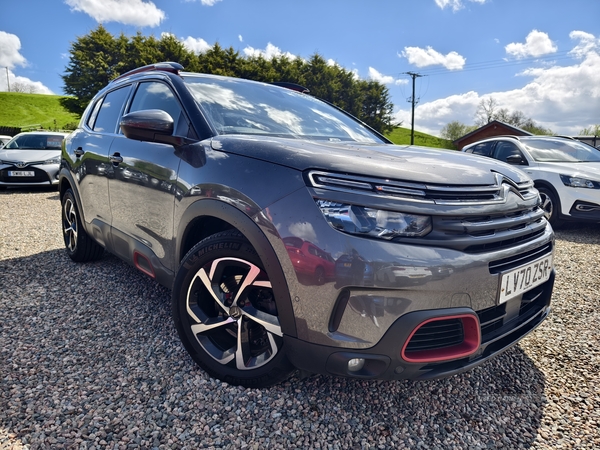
column 540, row 57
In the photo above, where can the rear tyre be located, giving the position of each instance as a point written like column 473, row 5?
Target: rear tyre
column 550, row 205
column 226, row 315
column 80, row 247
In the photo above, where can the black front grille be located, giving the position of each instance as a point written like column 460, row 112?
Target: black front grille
column 39, row 176
column 502, row 265
column 436, row 335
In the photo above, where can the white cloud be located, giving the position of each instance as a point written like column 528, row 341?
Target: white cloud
column 10, row 45
column 270, row 52
column 429, row 57
column 21, row 84
column 456, row 5
column 537, row 43
column 196, row 45
column 240, row 38
column 565, row 99
column 375, row 75
column 587, row 43
column 129, row 12
column 10, row 57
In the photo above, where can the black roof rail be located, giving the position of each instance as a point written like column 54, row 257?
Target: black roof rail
column 168, row 66
column 512, row 136
column 292, row 86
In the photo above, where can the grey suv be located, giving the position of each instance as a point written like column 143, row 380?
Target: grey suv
column 429, row 262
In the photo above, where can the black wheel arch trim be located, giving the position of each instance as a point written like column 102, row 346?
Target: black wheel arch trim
column 65, row 176
column 546, row 185
column 245, row 225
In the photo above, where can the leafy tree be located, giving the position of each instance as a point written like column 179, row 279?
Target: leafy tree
column 94, row 61
column 455, row 130
column 98, row 57
column 593, row 130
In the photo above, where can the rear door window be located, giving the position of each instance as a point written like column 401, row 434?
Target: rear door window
column 108, row 111
column 484, row 149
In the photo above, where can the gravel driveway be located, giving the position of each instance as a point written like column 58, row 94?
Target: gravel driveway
column 89, row 358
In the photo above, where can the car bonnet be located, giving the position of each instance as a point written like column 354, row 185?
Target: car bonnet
column 410, row 163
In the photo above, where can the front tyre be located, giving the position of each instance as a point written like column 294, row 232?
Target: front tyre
column 550, row 205
column 226, row 315
column 80, row 247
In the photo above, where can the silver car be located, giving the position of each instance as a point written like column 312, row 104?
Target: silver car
column 565, row 171
column 285, row 228
column 31, row 159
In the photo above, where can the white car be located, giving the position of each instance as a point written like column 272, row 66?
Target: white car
column 4, row 138
column 566, row 172
column 31, row 159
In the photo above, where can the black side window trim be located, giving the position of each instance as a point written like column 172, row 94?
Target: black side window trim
column 98, row 104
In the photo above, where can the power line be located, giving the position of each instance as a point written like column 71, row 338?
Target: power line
column 496, row 64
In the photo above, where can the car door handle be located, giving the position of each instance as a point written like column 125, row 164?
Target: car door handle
column 115, row 158
column 79, row 152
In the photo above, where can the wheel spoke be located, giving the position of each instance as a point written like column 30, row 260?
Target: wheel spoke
column 243, row 356
column 270, row 322
column 211, row 324
column 70, row 225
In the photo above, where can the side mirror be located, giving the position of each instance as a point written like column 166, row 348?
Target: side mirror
column 516, row 160
column 152, row 125
column 145, row 125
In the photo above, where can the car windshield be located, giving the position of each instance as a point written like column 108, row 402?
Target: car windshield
column 554, row 150
column 35, row 142
column 237, row 106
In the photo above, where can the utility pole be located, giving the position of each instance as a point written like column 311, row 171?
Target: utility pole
column 412, row 99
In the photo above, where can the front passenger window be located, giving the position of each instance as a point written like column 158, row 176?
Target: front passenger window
column 506, row 150
column 156, row 95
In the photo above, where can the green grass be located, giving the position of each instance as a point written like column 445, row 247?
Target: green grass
column 34, row 110
column 45, row 111
column 401, row 136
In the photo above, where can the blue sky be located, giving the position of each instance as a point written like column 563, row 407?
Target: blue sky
column 541, row 57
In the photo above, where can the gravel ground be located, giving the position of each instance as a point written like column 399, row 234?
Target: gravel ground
column 89, row 359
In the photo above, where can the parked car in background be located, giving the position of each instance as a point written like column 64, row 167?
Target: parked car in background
column 31, row 159
column 213, row 186
column 565, row 171
column 4, row 139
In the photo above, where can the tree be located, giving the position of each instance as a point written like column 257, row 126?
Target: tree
column 26, row 88
column 455, row 130
column 593, row 130
column 93, row 62
column 97, row 58
column 485, row 111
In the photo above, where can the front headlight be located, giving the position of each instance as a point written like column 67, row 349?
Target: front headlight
column 53, row 160
column 372, row 222
column 579, row 182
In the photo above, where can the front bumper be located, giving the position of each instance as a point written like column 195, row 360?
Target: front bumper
column 41, row 175
column 501, row 327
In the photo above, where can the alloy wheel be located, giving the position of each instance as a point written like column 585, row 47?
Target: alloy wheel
column 70, row 224
column 233, row 312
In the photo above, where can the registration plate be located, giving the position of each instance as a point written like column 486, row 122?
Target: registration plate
column 21, row 173
column 524, row 278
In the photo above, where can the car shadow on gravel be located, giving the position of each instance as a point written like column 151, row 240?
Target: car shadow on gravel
column 90, row 357
column 583, row 233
